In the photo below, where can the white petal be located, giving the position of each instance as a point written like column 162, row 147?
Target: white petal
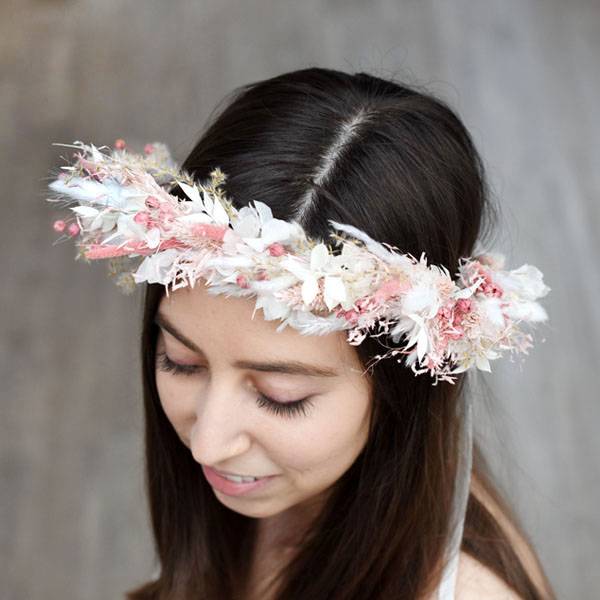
column 466, row 292
column 310, row 287
column 231, row 262
column 483, row 363
column 422, row 344
column 369, row 242
column 80, row 189
column 264, row 211
column 334, row 291
column 97, row 222
column 319, row 256
column 114, row 236
column 526, row 311
column 415, row 332
column 108, row 221
column 191, row 192
column 97, row 156
column 257, row 244
column 404, row 325
column 272, row 308
column 128, row 228
column 527, row 281
column 247, row 224
column 491, row 313
column 153, row 237
column 274, row 285
column 296, row 266
column 196, row 217
column 421, row 297
column 308, row 323
column 274, row 231
column 85, row 211
column 154, row 268
column 219, row 214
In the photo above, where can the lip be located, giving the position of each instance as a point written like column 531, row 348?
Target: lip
column 231, row 488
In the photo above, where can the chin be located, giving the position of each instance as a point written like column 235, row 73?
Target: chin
column 254, row 508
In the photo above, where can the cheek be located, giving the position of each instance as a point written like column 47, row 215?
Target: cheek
column 176, row 400
column 325, row 445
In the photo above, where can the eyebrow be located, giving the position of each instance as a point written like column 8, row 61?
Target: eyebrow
column 287, row 367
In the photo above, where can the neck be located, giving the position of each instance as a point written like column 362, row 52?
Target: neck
column 283, row 531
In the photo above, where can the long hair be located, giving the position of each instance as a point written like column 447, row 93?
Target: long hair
column 393, row 160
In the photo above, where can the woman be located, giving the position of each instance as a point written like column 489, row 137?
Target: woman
column 356, row 472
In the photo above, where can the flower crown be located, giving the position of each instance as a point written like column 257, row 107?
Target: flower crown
column 125, row 213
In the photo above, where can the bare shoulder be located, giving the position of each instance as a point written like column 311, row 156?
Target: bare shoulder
column 475, row 581
column 521, row 546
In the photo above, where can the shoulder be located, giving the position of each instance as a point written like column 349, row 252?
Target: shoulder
column 475, row 581
column 521, row 545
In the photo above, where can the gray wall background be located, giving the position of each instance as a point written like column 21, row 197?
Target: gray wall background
column 524, row 77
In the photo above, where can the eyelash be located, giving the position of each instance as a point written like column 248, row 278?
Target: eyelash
column 287, row 409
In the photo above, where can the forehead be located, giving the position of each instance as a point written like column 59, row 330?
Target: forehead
column 227, row 324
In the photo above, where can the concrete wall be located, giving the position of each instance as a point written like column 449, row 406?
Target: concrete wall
column 524, row 77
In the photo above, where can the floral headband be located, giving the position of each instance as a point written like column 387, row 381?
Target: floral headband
column 124, row 212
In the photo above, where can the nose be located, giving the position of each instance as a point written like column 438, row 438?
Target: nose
column 220, row 431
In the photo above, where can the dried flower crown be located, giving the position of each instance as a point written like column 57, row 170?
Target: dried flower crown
column 125, row 213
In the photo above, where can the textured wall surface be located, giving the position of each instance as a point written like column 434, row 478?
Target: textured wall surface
column 524, row 77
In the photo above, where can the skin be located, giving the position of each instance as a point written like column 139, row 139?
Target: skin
column 215, row 413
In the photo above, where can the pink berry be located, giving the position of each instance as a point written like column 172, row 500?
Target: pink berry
column 152, row 202
column 142, row 217
column 276, row 249
column 148, row 149
column 73, row 229
column 120, row 144
column 242, row 281
column 59, row 225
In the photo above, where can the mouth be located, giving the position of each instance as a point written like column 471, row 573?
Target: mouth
column 236, row 476
column 234, row 485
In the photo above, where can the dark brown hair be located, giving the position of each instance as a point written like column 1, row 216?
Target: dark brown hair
column 398, row 163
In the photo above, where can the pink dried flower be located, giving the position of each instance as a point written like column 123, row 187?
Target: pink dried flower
column 350, row 315
column 445, row 312
column 73, row 229
column 213, row 232
column 456, row 318
column 464, row 305
column 152, row 202
column 390, row 288
column 492, row 289
column 365, row 304
column 142, row 217
column 242, row 281
column 276, row 249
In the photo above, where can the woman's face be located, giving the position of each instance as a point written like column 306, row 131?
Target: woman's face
column 218, row 406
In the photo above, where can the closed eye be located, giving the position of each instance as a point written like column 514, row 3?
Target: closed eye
column 285, row 409
column 169, row 366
